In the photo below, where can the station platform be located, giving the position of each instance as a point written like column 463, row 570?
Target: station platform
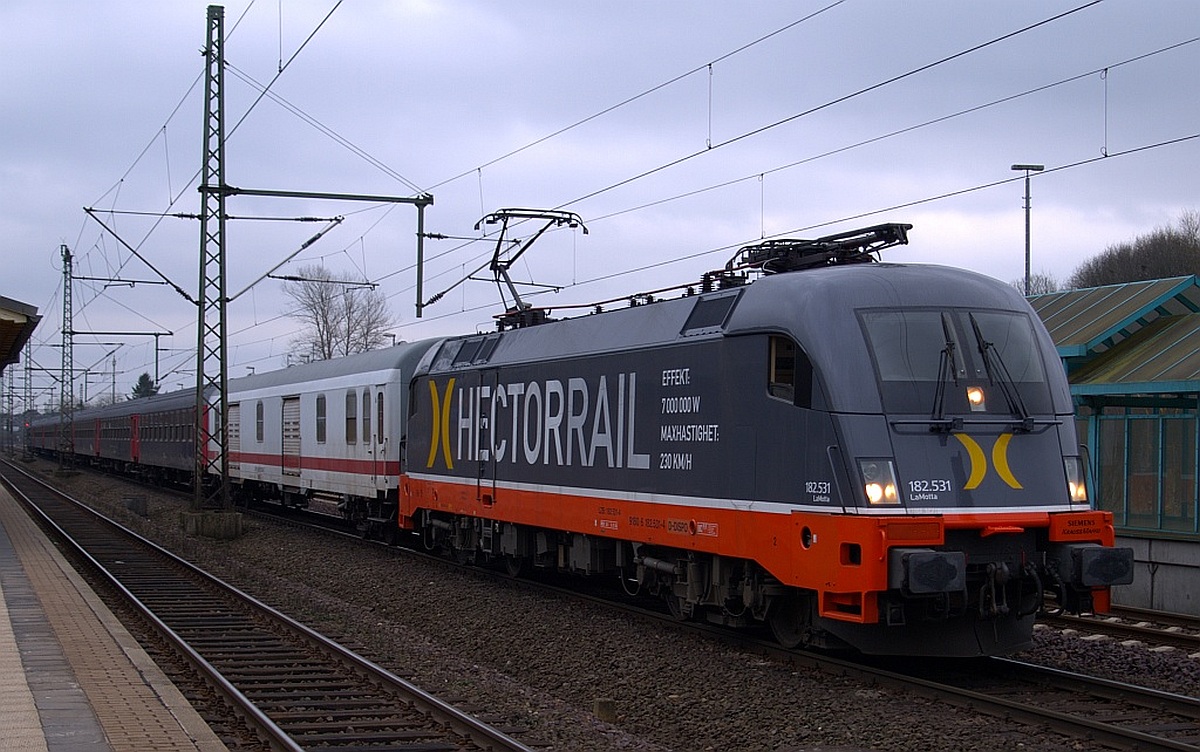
column 71, row 677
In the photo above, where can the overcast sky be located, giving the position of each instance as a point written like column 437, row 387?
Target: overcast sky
column 678, row 131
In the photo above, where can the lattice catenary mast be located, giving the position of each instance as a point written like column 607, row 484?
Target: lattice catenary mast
column 212, row 433
column 66, row 394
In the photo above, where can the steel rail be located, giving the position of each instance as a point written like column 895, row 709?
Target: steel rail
column 1146, row 629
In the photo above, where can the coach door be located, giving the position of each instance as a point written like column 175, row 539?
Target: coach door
column 135, row 438
column 234, row 426
column 291, row 436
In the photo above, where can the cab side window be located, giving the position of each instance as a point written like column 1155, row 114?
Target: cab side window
column 789, row 372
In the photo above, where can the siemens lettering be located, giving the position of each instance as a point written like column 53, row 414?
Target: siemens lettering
column 551, row 422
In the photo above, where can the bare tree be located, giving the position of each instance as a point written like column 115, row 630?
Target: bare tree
column 1040, row 283
column 1164, row 252
column 339, row 318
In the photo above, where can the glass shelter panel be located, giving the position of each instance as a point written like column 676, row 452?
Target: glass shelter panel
column 1144, row 472
column 1112, row 468
column 1179, row 474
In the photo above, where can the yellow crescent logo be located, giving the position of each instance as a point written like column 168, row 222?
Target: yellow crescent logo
column 1000, row 460
column 979, row 461
column 440, row 421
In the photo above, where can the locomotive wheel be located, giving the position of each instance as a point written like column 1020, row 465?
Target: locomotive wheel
column 789, row 620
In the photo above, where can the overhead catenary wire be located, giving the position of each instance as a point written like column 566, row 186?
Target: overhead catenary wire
column 134, row 249
column 332, row 224
column 927, row 123
column 162, row 130
column 630, row 100
column 1103, row 71
column 826, row 105
column 761, row 129
column 725, row 248
column 326, row 130
column 115, row 189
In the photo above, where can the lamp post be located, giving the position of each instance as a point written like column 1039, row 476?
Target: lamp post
column 1028, row 168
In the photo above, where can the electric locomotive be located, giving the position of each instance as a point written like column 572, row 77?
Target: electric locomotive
column 862, row 454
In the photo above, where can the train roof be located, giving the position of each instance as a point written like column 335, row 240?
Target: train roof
column 403, row 355
column 816, row 307
column 816, row 301
column 180, row 400
column 812, row 306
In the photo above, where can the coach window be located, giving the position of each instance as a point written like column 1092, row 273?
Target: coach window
column 366, row 420
column 351, row 417
column 258, row 421
column 379, row 418
column 320, row 418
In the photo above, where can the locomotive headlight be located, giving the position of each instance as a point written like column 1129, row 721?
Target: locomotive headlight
column 1076, row 480
column 879, row 481
column 976, row 399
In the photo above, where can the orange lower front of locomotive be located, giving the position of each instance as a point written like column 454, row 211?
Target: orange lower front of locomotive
column 844, row 558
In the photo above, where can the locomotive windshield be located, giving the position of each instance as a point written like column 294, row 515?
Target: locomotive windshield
column 926, row 360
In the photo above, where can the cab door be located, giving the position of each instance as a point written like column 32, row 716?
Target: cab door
column 489, row 381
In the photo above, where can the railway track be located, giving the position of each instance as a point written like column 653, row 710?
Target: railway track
column 295, row 688
column 1114, row 714
column 1105, row 713
column 1151, row 627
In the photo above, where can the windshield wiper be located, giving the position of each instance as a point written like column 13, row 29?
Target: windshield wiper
column 997, row 373
column 946, row 363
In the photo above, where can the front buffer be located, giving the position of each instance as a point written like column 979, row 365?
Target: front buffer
column 954, row 585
